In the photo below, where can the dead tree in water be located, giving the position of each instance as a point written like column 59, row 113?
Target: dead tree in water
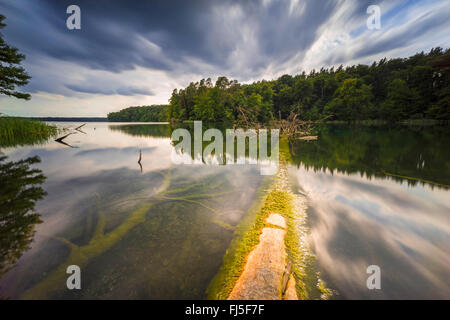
column 293, row 127
column 77, row 129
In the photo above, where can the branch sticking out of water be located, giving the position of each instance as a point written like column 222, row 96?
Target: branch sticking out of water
column 60, row 140
column 79, row 128
column 140, row 158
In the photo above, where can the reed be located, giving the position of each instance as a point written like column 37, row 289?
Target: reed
column 20, row 131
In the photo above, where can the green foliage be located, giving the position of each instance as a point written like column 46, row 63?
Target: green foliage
column 246, row 237
column 393, row 90
column 19, row 191
column 154, row 113
column 20, row 131
column 441, row 109
column 352, row 101
column 173, row 222
column 144, row 130
column 11, row 73
column 401, row 101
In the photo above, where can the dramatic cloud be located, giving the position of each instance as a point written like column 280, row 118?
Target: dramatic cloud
column 136, row 52
column 127, row 91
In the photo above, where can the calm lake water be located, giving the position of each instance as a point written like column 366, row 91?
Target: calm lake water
column 377, row 195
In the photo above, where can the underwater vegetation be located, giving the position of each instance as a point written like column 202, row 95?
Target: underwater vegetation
column 273, row 196
column 165, row 241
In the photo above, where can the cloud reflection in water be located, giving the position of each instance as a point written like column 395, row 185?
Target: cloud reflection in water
column 357, row 222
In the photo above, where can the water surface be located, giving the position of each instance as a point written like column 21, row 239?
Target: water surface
column 149, row 231
column 155, row 230
column 379, row 196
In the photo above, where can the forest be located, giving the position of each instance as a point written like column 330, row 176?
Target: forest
column 417, row 87
column 154, row 113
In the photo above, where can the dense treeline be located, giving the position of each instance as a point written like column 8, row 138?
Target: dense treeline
column 411, row 88
column 155, row 113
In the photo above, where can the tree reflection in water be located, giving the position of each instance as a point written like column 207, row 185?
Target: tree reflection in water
column 19, row 191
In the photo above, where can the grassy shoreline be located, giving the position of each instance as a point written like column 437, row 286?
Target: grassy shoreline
column 19, row 131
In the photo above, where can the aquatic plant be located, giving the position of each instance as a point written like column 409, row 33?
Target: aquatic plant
column 20, row 131
column 177, row 198
column 275, row 196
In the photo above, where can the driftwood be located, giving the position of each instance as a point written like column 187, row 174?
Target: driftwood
column 60, row 139
column 292, row 127
column 79, row 128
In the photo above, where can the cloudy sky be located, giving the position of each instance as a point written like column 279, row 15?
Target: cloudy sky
column 136, row 52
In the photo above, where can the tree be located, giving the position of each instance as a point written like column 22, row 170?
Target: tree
column 303, row 91
column 441, row 109
column 352, row 101
column 204, row 107
column 154, row 113
column 394, row 89
column 19, row 191
column 11, row 73
column 401, row 101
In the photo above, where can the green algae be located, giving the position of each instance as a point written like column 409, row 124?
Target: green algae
column 274, row 197
column 245, row 238
column 179, row 261
column 179, row 233
column 80, row 256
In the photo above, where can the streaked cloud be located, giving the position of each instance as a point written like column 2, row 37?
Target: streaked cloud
column 136, row 52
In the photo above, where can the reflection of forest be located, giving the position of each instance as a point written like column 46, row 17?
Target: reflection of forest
column 19, row 191
column 165, row 130
column 144, row 130
column 411, row 154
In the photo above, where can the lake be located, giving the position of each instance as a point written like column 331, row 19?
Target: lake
column 377, row 196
